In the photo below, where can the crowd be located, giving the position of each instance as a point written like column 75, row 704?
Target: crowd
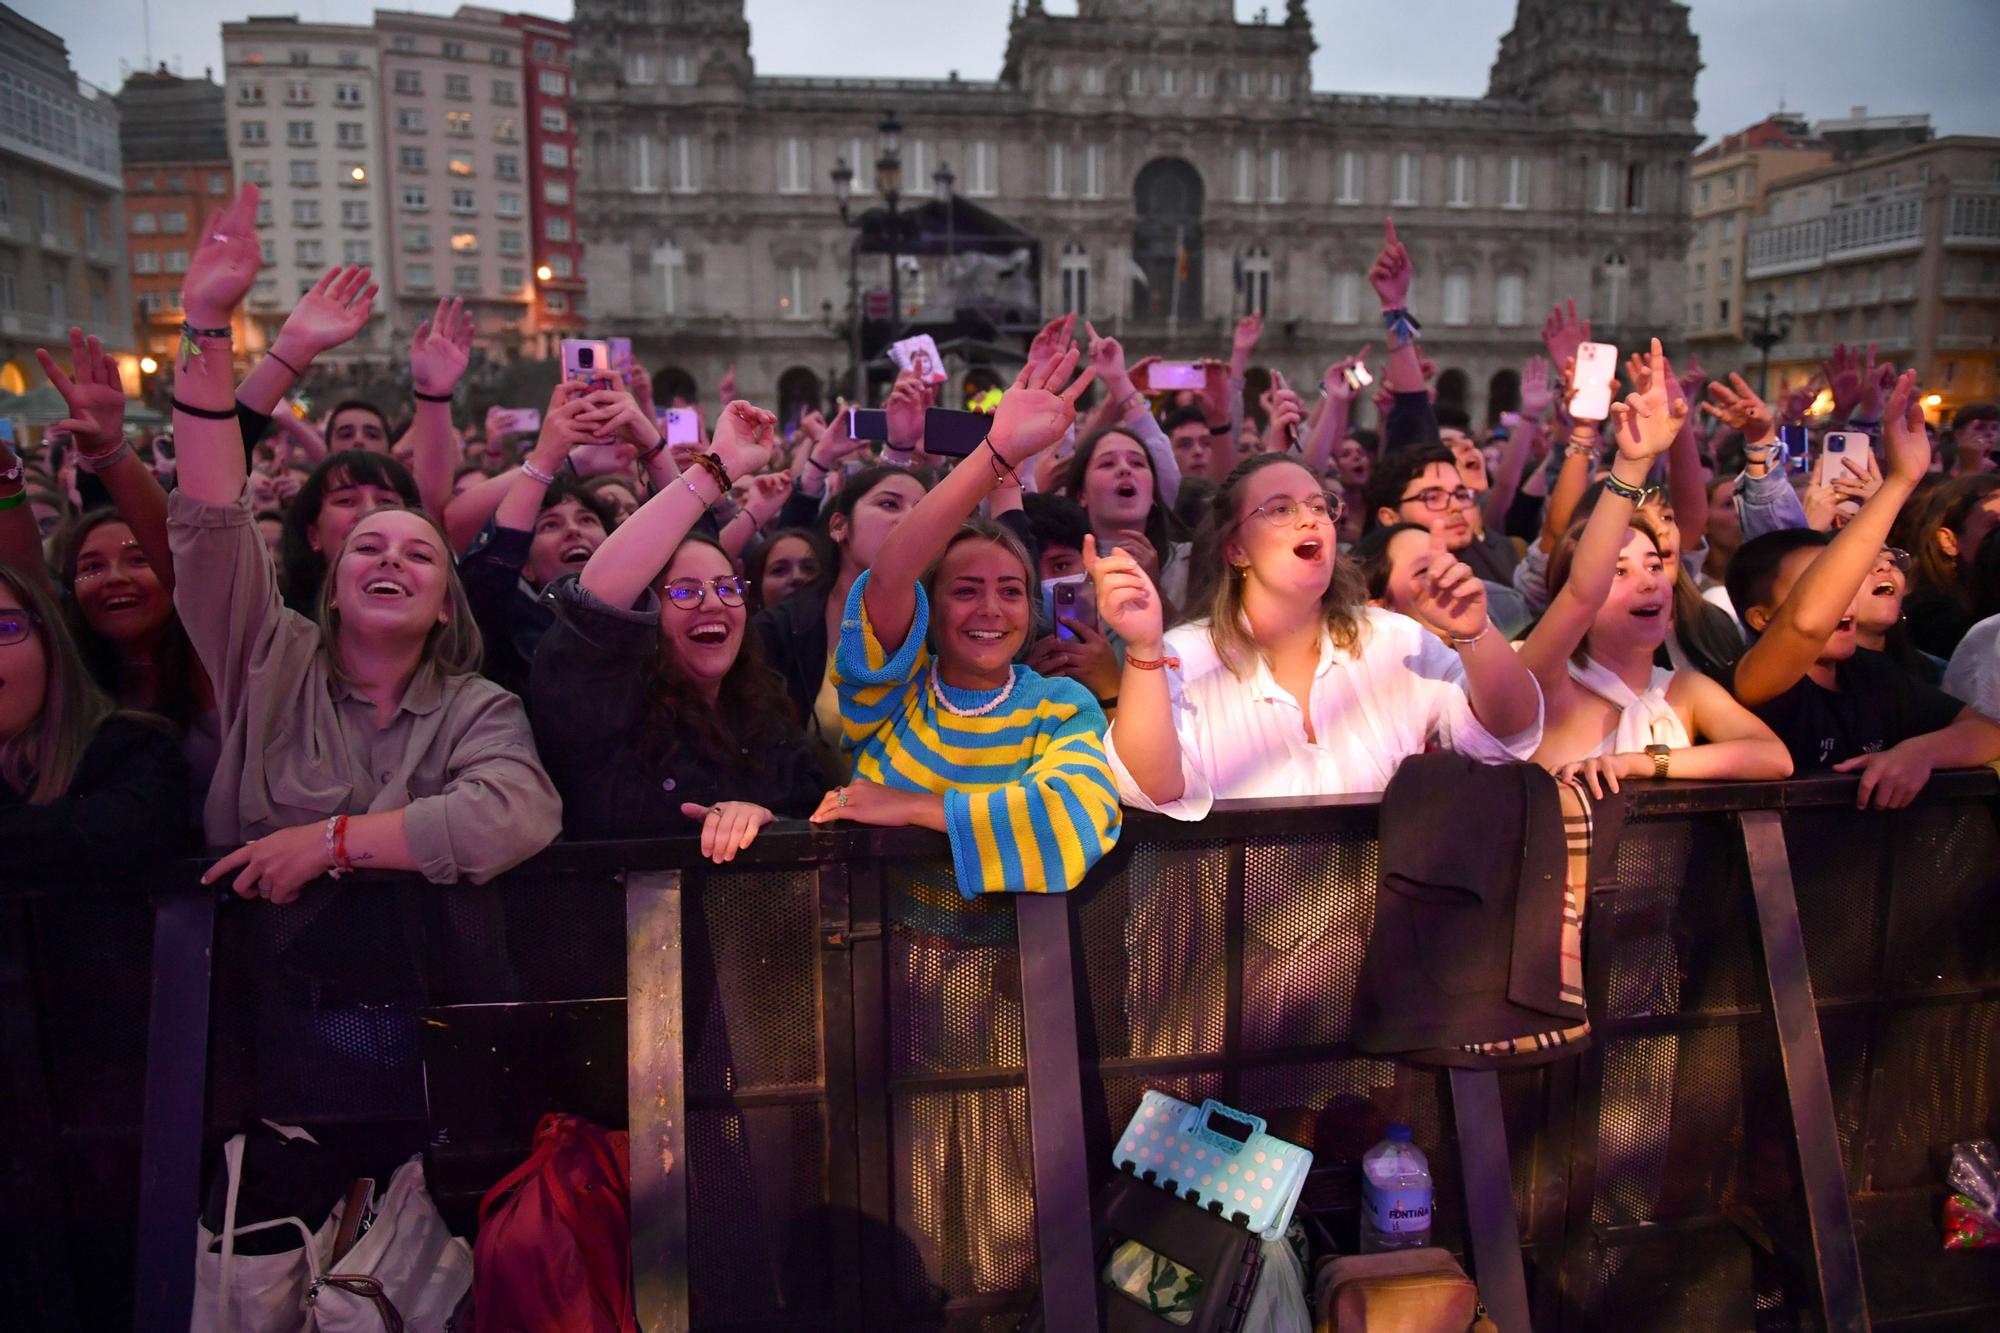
column 393, row 646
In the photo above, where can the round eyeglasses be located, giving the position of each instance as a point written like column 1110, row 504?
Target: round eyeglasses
column 1439, row 498
column 688, row 594
column 1284, row 510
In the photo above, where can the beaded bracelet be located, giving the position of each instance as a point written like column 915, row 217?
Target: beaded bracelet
column 711, row 463
column 1623, row 490
column 529, row 470
column 103, row 462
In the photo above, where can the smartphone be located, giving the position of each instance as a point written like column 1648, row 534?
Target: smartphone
column 523, row 421
column 1357, row 376
column 1793, row 438
column 681, row 425
column 1835, row 448
column 588, row 363
column 952, row 434
column 868, row 423
column 621, row 352
column 1175, row 375
column 919, row 354
column 1070, row 600
column 301, row 406
column 1596, row 367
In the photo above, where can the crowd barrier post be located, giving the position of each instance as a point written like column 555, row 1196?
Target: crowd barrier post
column 656, row 1099
column 1492, row 1227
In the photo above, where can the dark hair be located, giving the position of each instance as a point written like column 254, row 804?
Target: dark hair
column 1056, row 520
column 1453, row 416
column 303, row 567
column 359, row 405
column 760, row 556
column 1753, row 573
column 1184, row 416
column 1162, row 528
column 1215, row 591
column 1949, row 505
column 1366, row 438
column 1394, row 473
column 40, row 761
column 174, row 662
column 852, row 492
column 1193, row 500
column 751, row 717
column 597, row 486
column 566, row 487
column 1983, row 581
column 1372, row 554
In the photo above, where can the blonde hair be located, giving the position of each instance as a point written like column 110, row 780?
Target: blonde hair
column 453, row 647
column 981, row 530
column 1215, row 591
column 41, row 759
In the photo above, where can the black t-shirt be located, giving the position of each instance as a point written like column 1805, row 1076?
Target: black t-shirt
column 1877, row 705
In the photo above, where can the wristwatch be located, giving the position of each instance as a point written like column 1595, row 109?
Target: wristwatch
column 1660, row 755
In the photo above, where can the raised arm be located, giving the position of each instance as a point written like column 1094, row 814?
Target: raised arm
column 1646, row 426
column 1813, row 610
column 1579, row 458
column 330, row 314
column 640, row 547
column 1687, row 485
column 1033, row 415
column 570, row 420
column 1142, row 730
column 439, row 353
column 20, row 538
column 1126, row 400
column 1331, row 427
column 1390, row 277
column 208, row 444
column 1522, row 432
column 96, row 424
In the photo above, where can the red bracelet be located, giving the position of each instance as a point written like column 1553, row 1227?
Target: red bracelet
column 1153, row 665
column 341, row 865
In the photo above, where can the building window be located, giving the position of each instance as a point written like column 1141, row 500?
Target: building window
column 556, row 229
column 1135, row 81
column 305, row 173
column 1457, row 297
column 410, row 81
column 792, row 291
column 1246, row 84
column 1274, row 182
column 1726, row 270
column 173, row 222
column 299, row 133
column 638, row 67
column 264, row 212
column 680, row 69
column 1701, row 195
column 458, row 87
column 1170, row 83
column 253, row 132
column 555, row 155
column 148, row 261
column 417, row 238
column 458, row 124
column 1093, row 81
column 410, row 119
column 298, row 93
column 1700, row 276
column 465, row 277
column 553, row 83
column 645, row 179
column 512, row 279
column 1246, row 175
column 506, row 167
column 499, row 55
column 1058, row 171
column 305, row 212
column 250, row 94
column 416, row 197
column 983, row 176
column 683, row 165
column 411, row 159
column 1204, row 83
column 349, row 134
column 1409, row 179
column 794, row 166
column 504, row 92
column 145, row 224
column 1635, row 188
column 1347, row 298
column 460, row 164
column 1074, row 268
column 554, row 120
column 1642, row 102
column 419, row 275
column 354, row 213
column 560, row 266
column 454, row 50
column 557, row 302
column 1517, row 183
column 310, row 252
column 177, row 260
column 505, row 131
column 347, row 94
column 510, row 243
column 1347, row 177
column 1461, row 182
column 1510, row 300
column 465, row 242
column 402, row 43
column 1093, row 171
column 464, row 201
column 1256, row 269
column 356, row 252
column 1607, row 188
column 507, row 204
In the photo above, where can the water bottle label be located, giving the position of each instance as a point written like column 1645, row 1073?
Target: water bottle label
column 1397, row 1212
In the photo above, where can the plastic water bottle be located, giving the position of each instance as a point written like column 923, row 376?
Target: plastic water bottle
column 1395, row 1194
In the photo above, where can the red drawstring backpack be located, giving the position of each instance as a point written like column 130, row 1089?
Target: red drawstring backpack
column 554, row 1253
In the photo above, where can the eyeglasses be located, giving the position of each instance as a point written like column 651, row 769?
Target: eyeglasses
column 1438, row 499
column 15, row 625
column 1282, row 511
column 1894, row 555
column 688, row 594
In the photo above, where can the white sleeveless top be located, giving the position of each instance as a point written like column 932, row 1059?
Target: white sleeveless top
column 1643, row 719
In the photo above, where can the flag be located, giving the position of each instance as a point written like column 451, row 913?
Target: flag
column 1181, row 261
column 1136, row 273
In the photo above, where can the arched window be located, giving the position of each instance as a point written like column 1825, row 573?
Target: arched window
column 1166, row 240
column 1254, row 280
column 1454, row 387
column 1503, row 393
column 1074, row 271
column 674, row 387
column 798, row 390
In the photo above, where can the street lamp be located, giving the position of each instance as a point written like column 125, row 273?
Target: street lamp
column 1773, row 327
column 543, row 272
column 884, row 222
column 147, row 365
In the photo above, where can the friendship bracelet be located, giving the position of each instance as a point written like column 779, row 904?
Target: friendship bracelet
column 1003, row 471
column 1402, row 325
column 1457, row 642
column 336, row 834
column 14, row 501
column 1585, row 450
column 1153, row 665
column 103, row 462
column 529, row 470
column 296, row 372
column 1623, row 490
column 190, row 335
column 646, row 459
column 431, row 397
column 712, row 464
column 204, row 413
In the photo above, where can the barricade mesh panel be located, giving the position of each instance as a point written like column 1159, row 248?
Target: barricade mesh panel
column 1152, row 945
column 1836, row 858
column 757, row 1243
column 752, row 996
column 1672, row 1284
column 1307, row 910
column 965, row 1196
column 1934, row 1082
column 1669, row 1126
column 1944, row 918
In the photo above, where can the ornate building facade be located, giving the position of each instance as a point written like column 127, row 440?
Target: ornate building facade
column 1176, row 167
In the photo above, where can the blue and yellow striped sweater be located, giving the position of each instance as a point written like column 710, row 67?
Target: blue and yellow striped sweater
column 1029, row 800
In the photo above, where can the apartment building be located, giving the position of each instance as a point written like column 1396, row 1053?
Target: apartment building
column 304, row 103
column 456, row 144
column 62, row 212
column 174, row 142
column 556, row 242
column 1900, row 248
column 1726, row 186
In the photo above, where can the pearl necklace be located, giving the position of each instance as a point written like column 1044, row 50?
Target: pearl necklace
column 937, row 693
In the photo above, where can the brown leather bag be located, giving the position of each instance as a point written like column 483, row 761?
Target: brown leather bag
column 1401, row 1291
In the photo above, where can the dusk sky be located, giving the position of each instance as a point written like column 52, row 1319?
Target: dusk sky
column 1818, row 57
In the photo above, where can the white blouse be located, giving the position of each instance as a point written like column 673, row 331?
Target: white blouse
column 1402, row 693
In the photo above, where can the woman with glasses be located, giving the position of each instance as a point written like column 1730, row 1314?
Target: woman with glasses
column 1612, row 713
column 84, row 790
column 1289, row 683
column 650, row 706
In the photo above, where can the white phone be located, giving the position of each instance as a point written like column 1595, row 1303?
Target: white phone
column 1175, row 375
column 1596, row 367
column 683, row 426
column 1835, row 448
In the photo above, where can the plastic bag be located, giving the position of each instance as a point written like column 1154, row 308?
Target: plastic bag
column 1972, row 1212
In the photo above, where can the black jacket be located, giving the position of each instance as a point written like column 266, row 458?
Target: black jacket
column 793, row 636
column 1469, row 914
column 586, row 700
column 511, row 618
column 126, row 809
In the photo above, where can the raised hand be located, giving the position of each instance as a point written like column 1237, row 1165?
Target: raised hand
column 1857, row 479
column 1054, row 339
column 1449, row 595
column 1335, row 380
column 617, row 414
column 909, row 399
column 1038, row 410
column 571, row 420
column 1391, row 273
column 1214, row 400
column 1738, row 407
column 1107, row 358
column 1877, row 378
column 744, row 438
column 728, row 386
column 1536, row 394
column 276, row 866
column 1646, row 423
column 334, row 311
column 1842, row 373
column 1563, row 333
column 640, row 385
column 1249, row 332
column 92, row 392
column 1284, row 412
column 1127, row 601
column 766, row 496
column 1692, row 378
column 1820, row 504
column 441, row 348
column 834, row 446
column 225, row 263
column 1086, row 658
column 1907, row 446
column 1799, row 401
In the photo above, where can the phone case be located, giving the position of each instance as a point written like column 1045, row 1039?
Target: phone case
column 1254, row 1184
